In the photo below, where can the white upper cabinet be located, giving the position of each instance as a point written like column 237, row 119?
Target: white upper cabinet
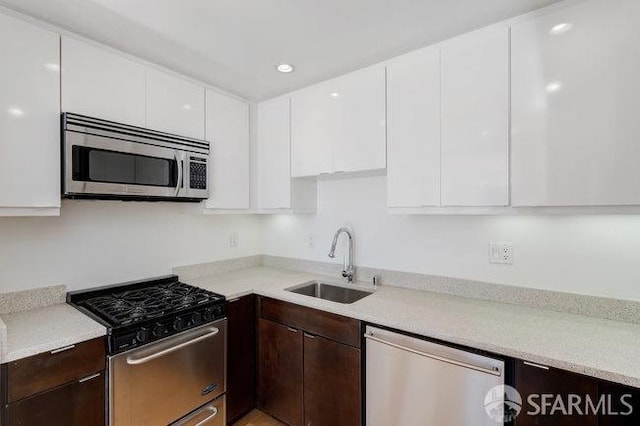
column 274, row 180
column 339, row 125
column 29, row 118
column 227, row 129
column 576, row 106
column 174, row 105
column 102, row 84
column 475, row 118
column 413, row 151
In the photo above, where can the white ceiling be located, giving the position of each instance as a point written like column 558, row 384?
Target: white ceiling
column 235, row 44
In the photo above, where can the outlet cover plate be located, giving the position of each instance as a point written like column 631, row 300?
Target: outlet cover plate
column 501, row 253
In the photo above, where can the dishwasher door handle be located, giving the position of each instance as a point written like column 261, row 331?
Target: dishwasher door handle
column 493, row 371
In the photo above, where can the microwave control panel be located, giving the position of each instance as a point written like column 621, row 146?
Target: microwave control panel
column 197, row 173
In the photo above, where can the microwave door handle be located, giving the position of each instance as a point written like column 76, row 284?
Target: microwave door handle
column 180, row 175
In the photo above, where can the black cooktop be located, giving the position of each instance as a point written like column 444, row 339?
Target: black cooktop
column 139, row 312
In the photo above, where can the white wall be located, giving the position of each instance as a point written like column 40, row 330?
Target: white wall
column 596, row 255
column 105, row 242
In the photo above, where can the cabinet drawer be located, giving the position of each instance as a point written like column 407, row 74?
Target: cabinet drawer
column 78, row 403
column 334, row 327
column 38, row 373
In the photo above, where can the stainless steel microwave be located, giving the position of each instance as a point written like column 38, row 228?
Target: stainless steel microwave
column 107, row 160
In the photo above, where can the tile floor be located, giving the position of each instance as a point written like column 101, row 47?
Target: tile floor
column 258, row 418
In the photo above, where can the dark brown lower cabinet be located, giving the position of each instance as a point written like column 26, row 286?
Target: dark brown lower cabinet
column 609, row 403
column 77, row 403
column 621, row 398
column 241, row 361
column 331, row 383
column 280, row 371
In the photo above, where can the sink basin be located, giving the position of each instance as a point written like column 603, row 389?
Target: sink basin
column 330, row 292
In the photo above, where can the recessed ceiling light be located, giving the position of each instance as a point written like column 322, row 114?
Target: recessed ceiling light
column 285, row 68
column 186, row 106
column 560, row 28
column 553, row 87
column 335, row 95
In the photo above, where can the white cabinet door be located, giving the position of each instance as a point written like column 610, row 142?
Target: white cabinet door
column 102, row 84
column 413, row 151
column 29, row 116
column 312, row 131
column 475, row 118
column 339, row 125
column 576, row 106
column 174, row 105
column 274, row 180
column 359, row 122
column 227, row 129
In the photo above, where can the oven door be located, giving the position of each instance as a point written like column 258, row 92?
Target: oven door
column 97, row 165
column 161, row 382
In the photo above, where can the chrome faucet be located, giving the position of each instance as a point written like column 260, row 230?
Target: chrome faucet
column 348, row 271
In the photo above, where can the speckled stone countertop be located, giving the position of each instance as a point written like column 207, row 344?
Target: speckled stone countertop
column 46, row 328
column 39, row 320
column 596, row 347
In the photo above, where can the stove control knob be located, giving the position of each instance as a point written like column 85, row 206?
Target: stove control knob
column 208, row 314
column 142, row 336
column 196, row 318
column 179, row 324
column 159, row 330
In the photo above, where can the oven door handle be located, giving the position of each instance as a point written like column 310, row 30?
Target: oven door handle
column 178, row 156
column 132, row 360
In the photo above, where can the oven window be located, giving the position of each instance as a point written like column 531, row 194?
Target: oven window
column 99, row 165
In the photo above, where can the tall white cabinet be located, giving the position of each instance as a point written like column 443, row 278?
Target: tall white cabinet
column 102, row 84
column 576, row 105
column 29, row 119
column 339, row 125
column 227, row 130
column 413, row 126
column 277, row 191
column 475, row 118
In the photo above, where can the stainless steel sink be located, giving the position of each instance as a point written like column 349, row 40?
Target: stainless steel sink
column 330, row 292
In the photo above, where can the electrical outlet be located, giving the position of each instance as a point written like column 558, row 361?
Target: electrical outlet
column 311, row 241
column 233, row 239
column 501, row 253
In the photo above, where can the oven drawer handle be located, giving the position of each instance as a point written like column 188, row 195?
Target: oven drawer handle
column 136, row 361
column 214, row 412
column 186, row 420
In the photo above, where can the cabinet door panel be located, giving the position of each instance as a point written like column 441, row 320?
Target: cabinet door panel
column 312, row 132
column 78, row 403
column 241, row 364
column 174, row 105
column 274, row 179
column 620, row 395
column 575, row 106
column 102, row 84
column 332, row 391
column 475, row 118
column 535, row 380
column 280, row 372
column 29, row 115
column 413, row 163
column 228, row 132
column 359, row 120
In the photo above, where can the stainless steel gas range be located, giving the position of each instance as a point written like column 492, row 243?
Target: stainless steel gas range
column 166, row 351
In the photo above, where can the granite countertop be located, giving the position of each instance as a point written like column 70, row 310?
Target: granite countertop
column 43, row 329
column 601, row 348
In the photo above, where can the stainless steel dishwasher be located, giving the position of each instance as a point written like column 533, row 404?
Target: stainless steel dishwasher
column 415, row 382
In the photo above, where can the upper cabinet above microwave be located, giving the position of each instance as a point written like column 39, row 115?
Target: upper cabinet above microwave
column 339, row 125
column 575, row 105
column 174, row 105
column 29, row 119
column 102, row 84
